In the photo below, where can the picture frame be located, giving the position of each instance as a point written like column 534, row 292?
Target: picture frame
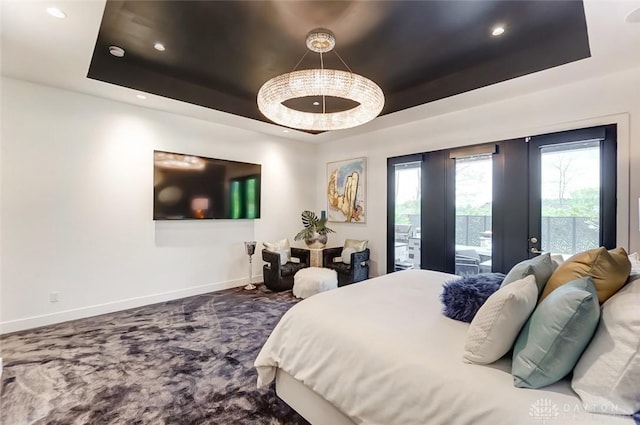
column 346, row 190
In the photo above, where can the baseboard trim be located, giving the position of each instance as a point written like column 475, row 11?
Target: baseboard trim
column 95, row 310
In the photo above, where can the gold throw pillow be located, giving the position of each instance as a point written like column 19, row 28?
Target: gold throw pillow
column 357, row 245
column 609, row 270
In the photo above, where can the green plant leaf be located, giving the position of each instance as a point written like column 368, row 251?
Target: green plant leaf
column 303, row 234
column 309, row 219
column 312, row 224
column 322, row 228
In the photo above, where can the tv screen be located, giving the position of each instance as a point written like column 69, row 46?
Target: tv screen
column 189, row 187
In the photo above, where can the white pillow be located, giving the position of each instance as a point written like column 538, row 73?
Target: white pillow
column 557, row 259
column 607, row 375
column 356, row 244
column 498, row 322
column 634, row 259
column 280, row 247
column 346, row 255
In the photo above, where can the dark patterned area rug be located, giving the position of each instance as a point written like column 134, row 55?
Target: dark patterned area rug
column 188, row 361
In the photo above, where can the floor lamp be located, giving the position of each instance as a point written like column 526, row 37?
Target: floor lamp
column 250, row 248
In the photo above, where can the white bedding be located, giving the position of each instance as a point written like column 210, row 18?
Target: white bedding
column 382, row 352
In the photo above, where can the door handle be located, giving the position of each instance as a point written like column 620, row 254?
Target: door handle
column 535, row 250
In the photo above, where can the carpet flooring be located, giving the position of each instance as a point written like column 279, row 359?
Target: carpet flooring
column 188, row 361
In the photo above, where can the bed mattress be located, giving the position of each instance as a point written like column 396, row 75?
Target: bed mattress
column 382, row 352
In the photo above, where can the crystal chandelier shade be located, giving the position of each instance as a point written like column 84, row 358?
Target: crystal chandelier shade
column 320, row 82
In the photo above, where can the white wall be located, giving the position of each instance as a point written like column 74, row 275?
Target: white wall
column 609, row 99
column 76, row 206
column 76, row 200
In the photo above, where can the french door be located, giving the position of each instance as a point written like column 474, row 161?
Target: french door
column 572, row 191
column 487, row 207
column 473, row 200
column 405, row 183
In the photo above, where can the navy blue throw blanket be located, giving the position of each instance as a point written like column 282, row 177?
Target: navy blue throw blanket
column 463, row 298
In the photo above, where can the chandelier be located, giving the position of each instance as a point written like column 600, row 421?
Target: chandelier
column 320, row 82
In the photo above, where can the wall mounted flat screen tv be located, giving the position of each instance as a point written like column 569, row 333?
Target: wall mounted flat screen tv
column 188, row 187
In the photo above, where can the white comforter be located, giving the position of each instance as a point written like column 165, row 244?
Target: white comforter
column 382, row 352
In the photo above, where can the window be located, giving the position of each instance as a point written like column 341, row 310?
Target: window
column 473, row 206
column 487, row 207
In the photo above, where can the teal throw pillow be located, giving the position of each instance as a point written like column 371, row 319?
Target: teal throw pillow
column 541, row 267
column 553, row 339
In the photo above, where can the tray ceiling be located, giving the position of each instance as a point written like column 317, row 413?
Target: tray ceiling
column 219, row 53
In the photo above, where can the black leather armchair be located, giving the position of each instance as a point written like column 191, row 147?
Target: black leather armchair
column 357, row 271
column 467, row 262
column 280, row 277
column 467, row 266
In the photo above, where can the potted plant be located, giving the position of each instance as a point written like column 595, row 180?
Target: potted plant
column 315, row 230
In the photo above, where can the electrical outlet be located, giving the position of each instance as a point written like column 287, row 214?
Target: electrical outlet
column 54, row 297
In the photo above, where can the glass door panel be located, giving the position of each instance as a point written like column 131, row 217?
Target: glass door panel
column 473, row 204
column 487, row 207
column 569, row 197
column 407, row 215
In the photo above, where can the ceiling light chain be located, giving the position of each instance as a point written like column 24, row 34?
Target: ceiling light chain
column 320, row 82
column 343, row 62
column 324, row 101
column 300, row 61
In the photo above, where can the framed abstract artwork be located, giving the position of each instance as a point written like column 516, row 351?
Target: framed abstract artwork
column 346, row 195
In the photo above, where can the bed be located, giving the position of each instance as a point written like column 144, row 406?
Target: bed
column 381, row 352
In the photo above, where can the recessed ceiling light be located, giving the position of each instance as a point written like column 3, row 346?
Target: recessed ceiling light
column 316, row 103
column 633, row 17
column 141, row 96
column 116, row 51
column 159, row 47
column 497, row 31
column 55, row 12
column 285, row 131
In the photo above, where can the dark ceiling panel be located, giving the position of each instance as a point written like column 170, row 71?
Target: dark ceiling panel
column 219, row 53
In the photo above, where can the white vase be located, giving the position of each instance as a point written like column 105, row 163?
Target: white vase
column 317, row 241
